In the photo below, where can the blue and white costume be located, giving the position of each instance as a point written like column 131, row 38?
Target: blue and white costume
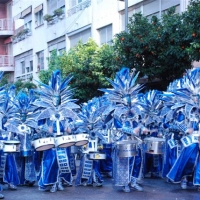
column 123, row 96
column 56, row 107
column 187, row 164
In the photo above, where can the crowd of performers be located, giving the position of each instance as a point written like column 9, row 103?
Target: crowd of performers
column 125, row 134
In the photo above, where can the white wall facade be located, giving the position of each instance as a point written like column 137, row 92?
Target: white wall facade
column 82, row 19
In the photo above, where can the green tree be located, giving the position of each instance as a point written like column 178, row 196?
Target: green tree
column 88, row 63
column 157, row 47
column 192, row 20
column 25, row 86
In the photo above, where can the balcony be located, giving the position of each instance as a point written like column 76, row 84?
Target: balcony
column 6, row 63
column 79, row 7
column 6, row 27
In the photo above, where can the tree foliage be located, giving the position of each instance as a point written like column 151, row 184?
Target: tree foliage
column 159, row 48
column 88, row 63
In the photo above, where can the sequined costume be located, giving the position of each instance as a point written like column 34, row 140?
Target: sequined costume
column 57, row 107
column 187, row 165
column 92, row 124
column 123, row 95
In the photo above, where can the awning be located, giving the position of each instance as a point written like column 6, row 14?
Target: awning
column 26, row 11
column 38, row 8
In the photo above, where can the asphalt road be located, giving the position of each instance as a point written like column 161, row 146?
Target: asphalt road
column 154, row 189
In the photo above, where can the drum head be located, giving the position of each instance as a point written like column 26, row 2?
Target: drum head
column 11, row 142
column 69, row 144
column 45, row 147
column 81, row 143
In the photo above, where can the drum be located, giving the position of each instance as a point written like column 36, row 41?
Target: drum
column 81, row 139
column 11, row 146
column 126, row 148
column 65, row 141
column 96, row 156
column 154, row 145
column 91, row 146
column 43, row 144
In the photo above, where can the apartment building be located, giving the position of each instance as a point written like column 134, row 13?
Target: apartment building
column 6, row 31
column 66, row 22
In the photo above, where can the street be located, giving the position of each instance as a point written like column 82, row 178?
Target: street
column 154, row 189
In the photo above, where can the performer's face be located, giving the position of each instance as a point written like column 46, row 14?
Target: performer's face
column 23, row 117
column 127, row 100
column 56, row 100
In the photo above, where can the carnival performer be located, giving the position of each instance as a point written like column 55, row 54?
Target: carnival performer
column 106, row 165
column 91, row 123
column 126, row 116
column 186, row 169
column 150, row 107
column 172, row 132
column 57, row 108
column 21, row 123
column 8, row 162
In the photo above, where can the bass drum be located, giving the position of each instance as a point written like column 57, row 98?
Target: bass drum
column 154, row 145
column 11, row 146
column 43, row 144
column 65, row 141
column 126, row 148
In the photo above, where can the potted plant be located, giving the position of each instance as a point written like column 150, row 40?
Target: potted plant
column 58, row 12
column 48, row 17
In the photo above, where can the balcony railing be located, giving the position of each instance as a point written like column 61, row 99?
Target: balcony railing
column 6, row 25
column 79, row 7
column 6, row 61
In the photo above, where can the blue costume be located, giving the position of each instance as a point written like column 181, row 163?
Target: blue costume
column 92, row 124
column 123, row 98
column 186, row 169
column 57, row 108
column 21, row 123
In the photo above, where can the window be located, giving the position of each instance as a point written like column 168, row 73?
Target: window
column 61, row 51
column 31, row 66
column 75, row 2
column 39, row 18
column 40, row 60
column 23, row 67
column 83, row 36
column 105, row 34
column 55, row 4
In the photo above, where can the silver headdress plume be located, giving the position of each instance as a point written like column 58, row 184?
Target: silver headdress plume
column 150, row 105
column 56, row 98
column 124, row 92
column 91, row 119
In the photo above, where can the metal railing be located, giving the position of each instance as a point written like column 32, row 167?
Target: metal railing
column 79, row 7
column 6, row 25
column 6, row 61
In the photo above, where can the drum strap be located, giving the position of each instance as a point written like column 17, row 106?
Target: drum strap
column 72, row 162
column 155, row 160
column 2, row 166
column 87, row 168
column 63, row 161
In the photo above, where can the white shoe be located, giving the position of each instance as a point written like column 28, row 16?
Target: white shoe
column 12, row 187
column 109, row 174
column 1, row 196
column 126, row 188
column 136, row 187
column 184, row 184
column 53, row 188
column 60, row 187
